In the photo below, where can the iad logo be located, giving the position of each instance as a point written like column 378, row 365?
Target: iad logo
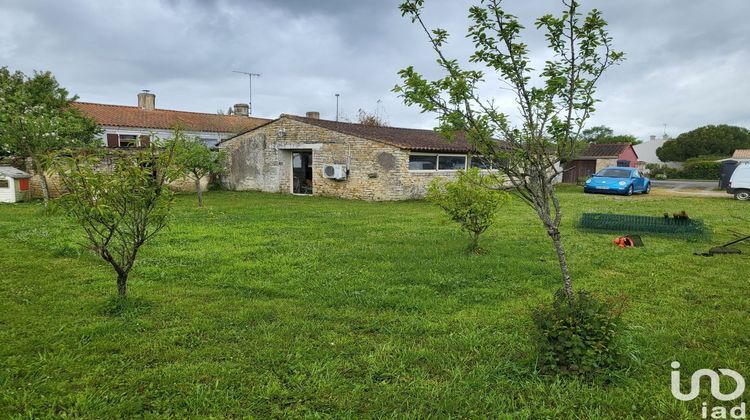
column 717, row 412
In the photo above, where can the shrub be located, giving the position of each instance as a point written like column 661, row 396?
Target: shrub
column 578, row 336
column 470, row 200
column 700, row 170
column 693, row 169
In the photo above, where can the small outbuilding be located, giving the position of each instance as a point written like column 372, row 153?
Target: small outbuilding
column 598, row 157
column 14, row 184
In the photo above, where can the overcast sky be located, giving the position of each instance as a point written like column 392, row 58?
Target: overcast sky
column 688, row 61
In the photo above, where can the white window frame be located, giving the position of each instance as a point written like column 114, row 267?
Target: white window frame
column 137, row 139
column 437, row 161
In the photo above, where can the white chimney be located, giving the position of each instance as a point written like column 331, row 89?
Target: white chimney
column 147, row 100
column 313, row 115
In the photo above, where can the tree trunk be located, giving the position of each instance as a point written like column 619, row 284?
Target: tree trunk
column 474, row 244
column 554, row 233
column 199, row 191
column 122, row 284
column 43, row 183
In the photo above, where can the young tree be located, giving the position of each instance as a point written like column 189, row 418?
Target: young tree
column 472, row 200
column 372, row 119
column 36, row 120
column 551, row 113
column 196, row 160
column 120, row 200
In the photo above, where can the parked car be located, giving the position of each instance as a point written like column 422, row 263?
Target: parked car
column 739, row 184
column 618, row 180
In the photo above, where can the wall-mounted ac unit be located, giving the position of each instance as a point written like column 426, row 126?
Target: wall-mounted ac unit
column 333, row 171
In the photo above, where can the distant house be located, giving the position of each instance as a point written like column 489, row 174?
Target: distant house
column 307, row 155
column 647, row 152
column 741, row 155
column 597, row 157
column 14, row 184
column 133, row 126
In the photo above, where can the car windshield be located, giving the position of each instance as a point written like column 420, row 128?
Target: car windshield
column 614, row 173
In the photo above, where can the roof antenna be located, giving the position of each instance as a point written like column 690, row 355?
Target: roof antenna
column 250, row 78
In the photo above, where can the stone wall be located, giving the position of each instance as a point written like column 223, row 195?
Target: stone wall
column 261, row 160
column 605, row 163
column 186, row 184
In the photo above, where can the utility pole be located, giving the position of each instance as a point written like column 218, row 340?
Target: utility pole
column 250, row 78
column 337, row 107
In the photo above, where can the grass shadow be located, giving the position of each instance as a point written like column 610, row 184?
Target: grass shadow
column 125, row 306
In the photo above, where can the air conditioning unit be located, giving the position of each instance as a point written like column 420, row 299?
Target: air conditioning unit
column 333, row 171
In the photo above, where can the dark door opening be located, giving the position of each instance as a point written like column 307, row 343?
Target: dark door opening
column 302, row 182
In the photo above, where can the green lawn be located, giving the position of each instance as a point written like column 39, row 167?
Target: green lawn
column 275, row 306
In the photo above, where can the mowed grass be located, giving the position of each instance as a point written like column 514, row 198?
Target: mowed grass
column 280, row 306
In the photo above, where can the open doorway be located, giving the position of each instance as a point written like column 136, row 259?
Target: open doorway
column 302, row 182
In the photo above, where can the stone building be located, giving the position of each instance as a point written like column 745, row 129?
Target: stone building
column 307, row 155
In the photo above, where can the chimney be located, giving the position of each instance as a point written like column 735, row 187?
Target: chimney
column 243, row 110
column 313, row 115
column 147, row 100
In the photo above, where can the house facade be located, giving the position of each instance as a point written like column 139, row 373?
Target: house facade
column 646, row 152
column 133, row 126
column 597, row 157
column 310, row 156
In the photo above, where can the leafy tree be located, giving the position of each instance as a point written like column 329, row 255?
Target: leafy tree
column 602, row 134
column 372, row 119
column 120, row 200
column 471, row 200
column 36, row 120
column 196, row 160
column 721, row 140
column 552, row 108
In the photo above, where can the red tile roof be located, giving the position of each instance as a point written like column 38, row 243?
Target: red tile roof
column 403, row 138
column 741, row 154
column 608, row 150
column 133, row 116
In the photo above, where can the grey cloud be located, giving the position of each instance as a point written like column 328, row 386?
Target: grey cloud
column 685, row 59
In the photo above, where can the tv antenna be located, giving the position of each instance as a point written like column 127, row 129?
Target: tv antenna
column 250, row 79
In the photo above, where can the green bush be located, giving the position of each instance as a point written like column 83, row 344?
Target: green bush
column 578, row 336
column 693, row 169
column 471, row 200
column 700, row 170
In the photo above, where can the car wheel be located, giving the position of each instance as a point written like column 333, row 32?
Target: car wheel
column 742, row 195
column 648, row 188
column 630, row 190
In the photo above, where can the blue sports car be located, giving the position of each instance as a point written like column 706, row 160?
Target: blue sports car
column 618, row 180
